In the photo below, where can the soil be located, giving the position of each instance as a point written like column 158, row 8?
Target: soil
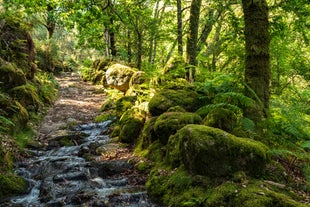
column 78, row 102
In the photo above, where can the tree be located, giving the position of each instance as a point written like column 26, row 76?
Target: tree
column 180, row 27
column 192, row 38
column 257, row 64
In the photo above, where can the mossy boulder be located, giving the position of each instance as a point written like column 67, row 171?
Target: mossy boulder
column 131, row 124
column 139, row 77
column 27, row 95
column 118, row 76
column 175, row 68
column 124, row 103
column 148, row 134
column 221, row 118
column 101, row 64
column 215, row 153
column 256, row 193
column 165, row 99
column 11, row 76
column 170, row 122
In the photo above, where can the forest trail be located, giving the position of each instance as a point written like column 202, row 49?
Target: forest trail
column 79, row 164
column 78, row 102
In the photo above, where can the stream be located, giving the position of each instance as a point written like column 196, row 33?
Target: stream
column 61, row 176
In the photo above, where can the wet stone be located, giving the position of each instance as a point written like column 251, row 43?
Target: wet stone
column 60, row 176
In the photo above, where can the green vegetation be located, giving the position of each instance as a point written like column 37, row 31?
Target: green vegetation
column 222, row 119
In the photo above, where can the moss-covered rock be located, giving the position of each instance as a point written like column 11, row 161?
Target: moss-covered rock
column 221, row 118
column 16, row 44
column 139, row 77
column 175, row 188
column 131, row 124
column 11, row 185
column 176, row 109
column 118, row 76
column 175, row 68
column 123, row 104
column 168, row 123
column 11, row 76
column 256, row 193
column 27, row 95
column 148, row 134
column 215, row 153
column 166, row 99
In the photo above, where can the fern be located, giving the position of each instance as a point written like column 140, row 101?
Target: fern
column 234, row 98
column 5, row 124
column 306, row 145
column 247, row 124
column 203, row 111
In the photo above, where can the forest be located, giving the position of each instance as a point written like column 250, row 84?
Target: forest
column 211, row 97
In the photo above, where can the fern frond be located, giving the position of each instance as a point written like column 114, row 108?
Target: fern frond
column 247, row 124
column 5, row 124
column 234, row 98
column 203, row 111
column 306, row 145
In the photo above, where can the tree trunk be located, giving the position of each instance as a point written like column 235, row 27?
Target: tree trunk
column 139, row 50
column 112, row 39
column 257, row 63
column 191, row 46
column 129, row 51
column 180, row 27
column 50, row 21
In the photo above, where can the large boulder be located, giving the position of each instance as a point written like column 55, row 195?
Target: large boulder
column 118, row 76
column 131, row 124
column 168, row 123
column 165, row 99
column 215, row 153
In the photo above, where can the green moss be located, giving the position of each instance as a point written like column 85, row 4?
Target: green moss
column 11, row 185
column 175, row 68
column 148, row 134
column 168, row 123
column 221, row 118
column 223, row 195
column 165, row 99
column 131, row 124
column 11, row 76
column 124, row 103
column 27, row 95
column 103, row 117
column 66, row 141
column 176, row 109
column 175, row 188
column 215, row 153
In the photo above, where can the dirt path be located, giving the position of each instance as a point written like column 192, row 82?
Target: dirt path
column 78, row 102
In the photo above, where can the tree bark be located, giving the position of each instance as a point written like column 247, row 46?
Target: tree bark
column 50, row 21
column 180, row 27
column 112, row 39
column 257, row 63
column 192, row 38
column 139, row 50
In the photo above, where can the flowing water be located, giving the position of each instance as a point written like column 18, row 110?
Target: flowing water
column 60, row 176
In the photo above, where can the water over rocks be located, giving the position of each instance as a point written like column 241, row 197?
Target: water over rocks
column 62, row 176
